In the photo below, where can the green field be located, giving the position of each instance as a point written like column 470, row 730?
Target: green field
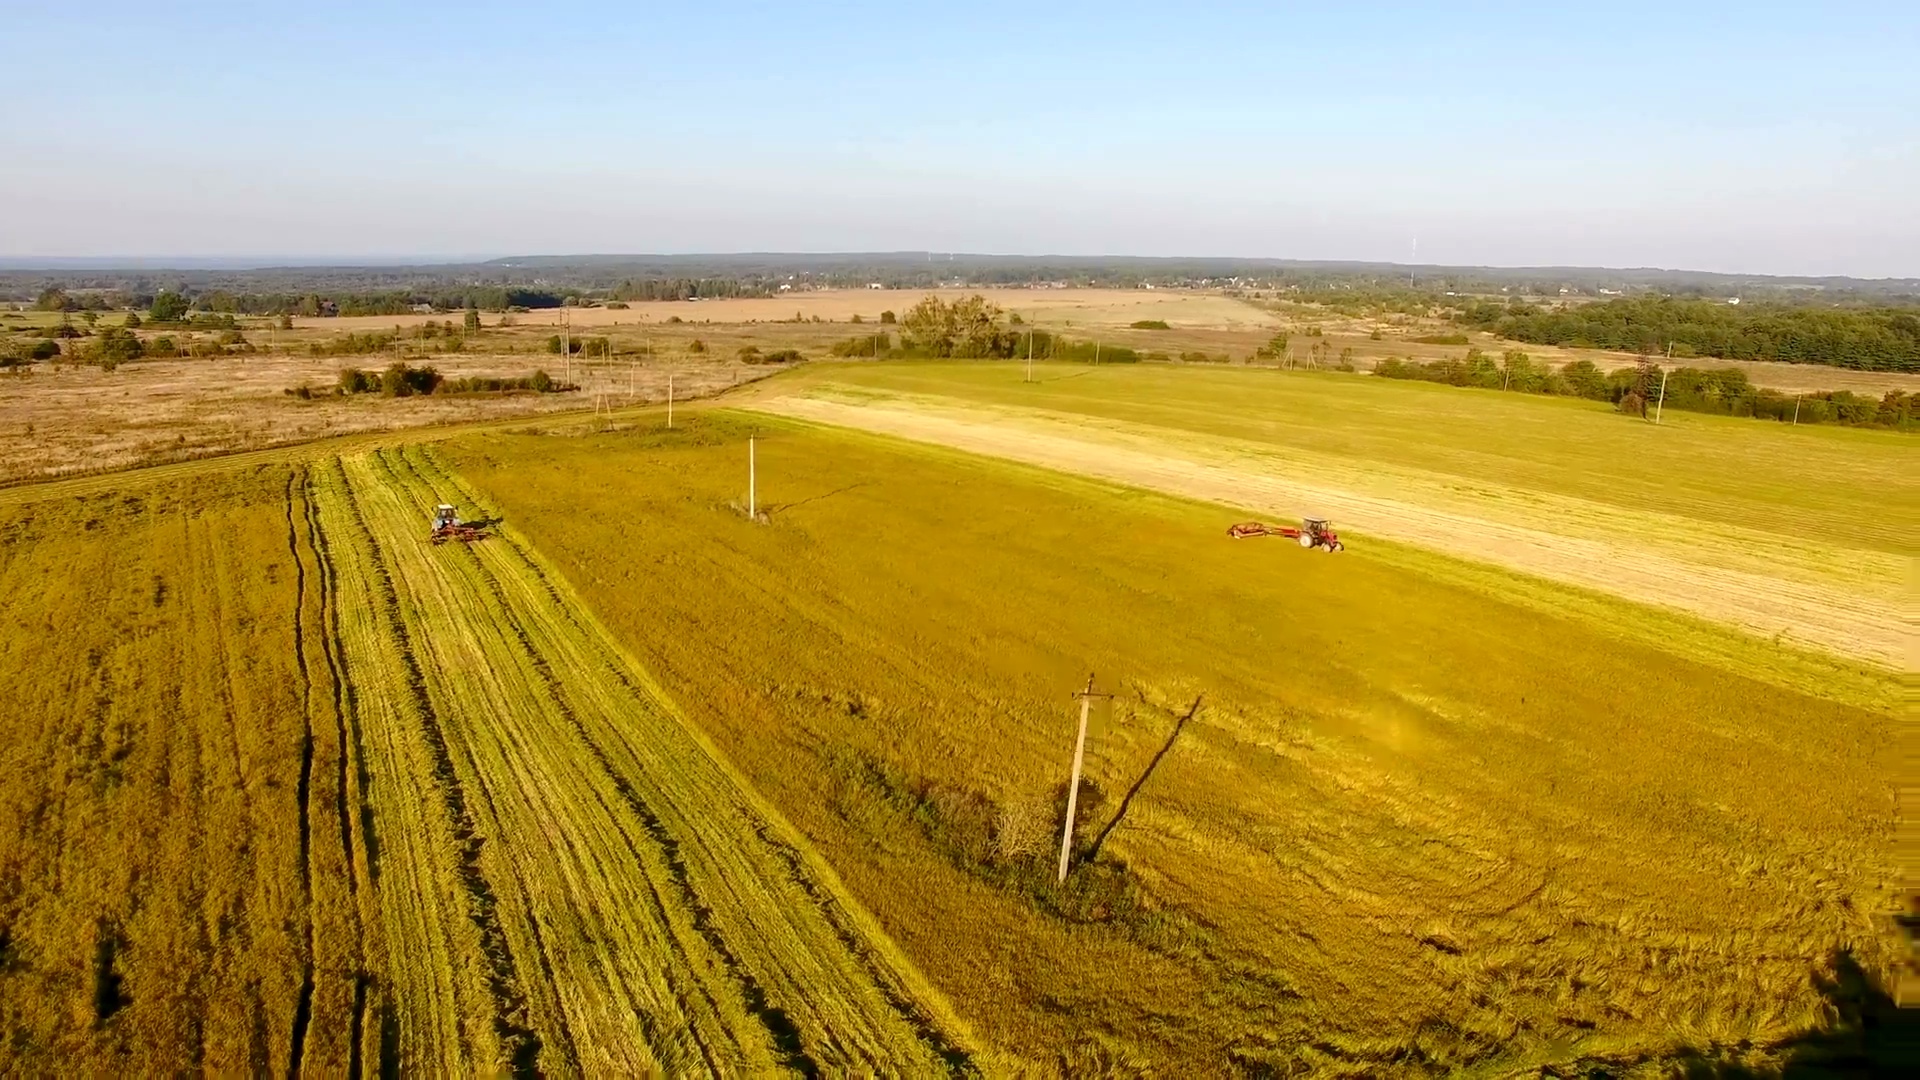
column 1408, row 826
column 1807, row 535
column 639, row 785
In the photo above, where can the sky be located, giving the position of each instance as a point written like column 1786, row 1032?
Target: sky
column 1758, row 137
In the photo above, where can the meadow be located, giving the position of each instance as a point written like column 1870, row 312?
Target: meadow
column 1343, row 815
column 1804, row 535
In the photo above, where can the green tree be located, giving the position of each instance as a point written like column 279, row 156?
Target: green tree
column 471, row 320
column 168, row 307
column 54, row 298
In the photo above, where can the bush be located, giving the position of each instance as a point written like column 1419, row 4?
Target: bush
column 400, row 380
column 43, row 350
column 864, row 345
column 887, row 318
column 133, row 320
column 355, row 381
column 616, row 305
column 1442, row 339
column 696, row 346
column 116, row 346
column 1151, row 324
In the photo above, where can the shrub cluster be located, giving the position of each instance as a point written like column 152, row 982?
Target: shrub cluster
column 404, row 380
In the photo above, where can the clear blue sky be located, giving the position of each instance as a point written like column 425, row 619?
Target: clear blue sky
column 1750, row 137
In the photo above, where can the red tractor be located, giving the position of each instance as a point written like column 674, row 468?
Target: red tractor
column 1312, row 533
column 448, row 526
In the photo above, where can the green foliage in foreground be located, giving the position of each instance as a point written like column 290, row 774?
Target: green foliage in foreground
column 1874, row 339
column 1720, row 391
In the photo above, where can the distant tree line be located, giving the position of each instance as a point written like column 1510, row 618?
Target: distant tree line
column 1636, row 390
column 1864, row 339
column 705, row 288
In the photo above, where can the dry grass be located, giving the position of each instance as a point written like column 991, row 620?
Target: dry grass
column 1411, row 827
column 1794, row 534
column 64, row 420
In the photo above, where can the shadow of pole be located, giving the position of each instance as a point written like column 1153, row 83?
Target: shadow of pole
column 1093, row 851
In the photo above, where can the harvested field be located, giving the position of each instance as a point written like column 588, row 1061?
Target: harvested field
column 1092, row 308
column 314, row 794
column 1347, row 816
column 1811, row 545
column 62, row 420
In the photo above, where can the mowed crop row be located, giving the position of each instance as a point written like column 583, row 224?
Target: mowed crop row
column 288, row 790
column 567, row 878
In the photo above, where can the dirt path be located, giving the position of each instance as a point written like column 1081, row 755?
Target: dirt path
column 1807, row 612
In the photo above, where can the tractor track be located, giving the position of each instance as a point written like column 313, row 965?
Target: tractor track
column 303, row 1009
column 347, row 757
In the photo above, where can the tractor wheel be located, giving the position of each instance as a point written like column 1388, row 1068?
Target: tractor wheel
column 1306, row 541
column 1336, row 546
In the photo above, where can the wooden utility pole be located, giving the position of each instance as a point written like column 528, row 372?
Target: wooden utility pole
column 751, row 507
column 1663, row 396
column 1796, row 410
column 1029, row 354
column 1073, row 786
column 566, row 339
column 669, row 401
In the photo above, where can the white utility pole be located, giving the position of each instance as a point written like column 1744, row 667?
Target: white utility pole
column 1796, row 410
column 1029, row 354
column 1664, row 372
column 1073, row 786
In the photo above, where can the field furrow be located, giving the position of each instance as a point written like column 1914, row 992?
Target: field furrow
column 631, row 907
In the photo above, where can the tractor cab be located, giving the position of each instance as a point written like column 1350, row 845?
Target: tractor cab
column 1318, row 533
column 445, row 517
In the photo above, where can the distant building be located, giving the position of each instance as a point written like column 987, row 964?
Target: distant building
column 875, row 285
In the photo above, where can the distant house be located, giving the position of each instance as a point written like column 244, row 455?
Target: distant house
column 875, row 285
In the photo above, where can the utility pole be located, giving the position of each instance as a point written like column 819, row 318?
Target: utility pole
column 1073, row 787
column 1096, row 351
column 1029, row 354
column 566, row 338
column 751, row 506
column 669, row 401
column 1796, row 410
column 1664, row 372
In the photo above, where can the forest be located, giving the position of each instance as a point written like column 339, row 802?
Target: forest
column 1865, row 339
